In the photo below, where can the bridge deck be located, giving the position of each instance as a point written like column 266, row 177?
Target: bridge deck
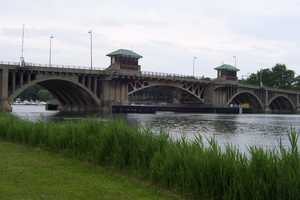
column 101, row 71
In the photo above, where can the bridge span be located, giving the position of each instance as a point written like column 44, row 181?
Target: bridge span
column 124, row 84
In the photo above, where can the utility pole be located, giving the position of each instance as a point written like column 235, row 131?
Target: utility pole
column 91, row 47
column 50, row 50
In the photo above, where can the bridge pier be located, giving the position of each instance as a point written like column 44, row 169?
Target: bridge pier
column 114, row 92
column 298, row 104
column 267, row 110
column 4, row 100
column 106, row 100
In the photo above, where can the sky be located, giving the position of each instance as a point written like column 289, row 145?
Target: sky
column 167, row 33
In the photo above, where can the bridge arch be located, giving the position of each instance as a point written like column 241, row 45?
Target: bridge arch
column 247, row 97
column 72, row 95
column 281, row 104
column 196, row 94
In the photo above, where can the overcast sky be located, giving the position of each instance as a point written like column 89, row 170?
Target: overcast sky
column 167, row 33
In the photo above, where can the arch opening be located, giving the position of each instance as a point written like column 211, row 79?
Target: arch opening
column 281, row 104
column 248, row 101
column 69, row 95
column 162, row 94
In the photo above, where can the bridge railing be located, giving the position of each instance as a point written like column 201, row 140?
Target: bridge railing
column 9, row 63
column 26, row 64
column 269, row 88
column 161, row 75
column 170, row 76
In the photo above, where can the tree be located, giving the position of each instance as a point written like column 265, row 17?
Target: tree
column 279, row 77
column 265, row 75
column 297, row 82
column 35, row 93
column 44, row 95
column 282, row 77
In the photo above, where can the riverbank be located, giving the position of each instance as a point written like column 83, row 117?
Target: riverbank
column 33, row 173
column 189, row 168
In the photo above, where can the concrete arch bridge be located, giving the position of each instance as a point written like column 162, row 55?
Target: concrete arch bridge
column 124, row 84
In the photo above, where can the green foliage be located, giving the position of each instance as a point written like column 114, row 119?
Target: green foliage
column 188, row 167
column 28, row 173
column 297, row 82
column 36, row 92
column 279, row 77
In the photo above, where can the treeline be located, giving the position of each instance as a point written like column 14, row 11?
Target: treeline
column 35, row 93
column 278, row 77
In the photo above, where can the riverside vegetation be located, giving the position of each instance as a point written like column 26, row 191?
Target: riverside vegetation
column 190, row 168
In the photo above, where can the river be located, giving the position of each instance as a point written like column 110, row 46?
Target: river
column 241, row 130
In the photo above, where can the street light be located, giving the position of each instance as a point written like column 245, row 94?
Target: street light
column 22, row 63
column 91, row 47
column 50, row 49
column 235, row 60
column 194, row 60
column 261, row 78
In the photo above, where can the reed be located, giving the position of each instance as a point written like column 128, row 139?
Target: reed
column 188, row 167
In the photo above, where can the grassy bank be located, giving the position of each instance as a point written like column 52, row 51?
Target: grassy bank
column 31, row 173
column 190, row 168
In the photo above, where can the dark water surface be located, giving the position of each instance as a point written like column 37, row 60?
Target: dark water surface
column 241, row 130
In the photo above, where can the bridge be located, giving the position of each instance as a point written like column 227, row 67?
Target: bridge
column 123, row 83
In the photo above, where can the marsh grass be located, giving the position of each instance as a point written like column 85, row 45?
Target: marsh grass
column 188, row 167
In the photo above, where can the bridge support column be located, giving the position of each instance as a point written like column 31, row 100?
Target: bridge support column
column 13, row 82
column 267, row 109
column 298, row 103
column 266, row 106
column 106, row 97
column 4, row 102
column 124, row 93
column 114, row 92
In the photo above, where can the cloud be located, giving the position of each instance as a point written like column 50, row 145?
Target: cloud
column 168, row 33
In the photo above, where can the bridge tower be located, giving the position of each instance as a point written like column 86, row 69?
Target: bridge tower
column 226, row 76
column 115, row 90
column 227, row 72
column 125, row 61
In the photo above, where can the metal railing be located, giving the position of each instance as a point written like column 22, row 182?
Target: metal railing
column 170, row 75
column 29, row 64
column 269, row 88
column 145, row 74
column 9, row 63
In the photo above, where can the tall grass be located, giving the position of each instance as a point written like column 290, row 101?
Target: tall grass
column 188, row 167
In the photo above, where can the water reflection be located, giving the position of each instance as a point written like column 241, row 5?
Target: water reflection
column 225, row 124
column 239, row 130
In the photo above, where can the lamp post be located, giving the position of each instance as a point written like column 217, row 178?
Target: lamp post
column 260, row 78
column 50, row 49
column 235, row 60
column 91, row 47
column 22, row 62
column 194, row 60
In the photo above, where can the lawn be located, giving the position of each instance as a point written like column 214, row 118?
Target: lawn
column 28, row 173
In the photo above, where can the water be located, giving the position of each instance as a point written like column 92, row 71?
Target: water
column 240, row 130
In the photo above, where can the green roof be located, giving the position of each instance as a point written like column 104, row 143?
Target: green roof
column 227, row 68
column 126, row 53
